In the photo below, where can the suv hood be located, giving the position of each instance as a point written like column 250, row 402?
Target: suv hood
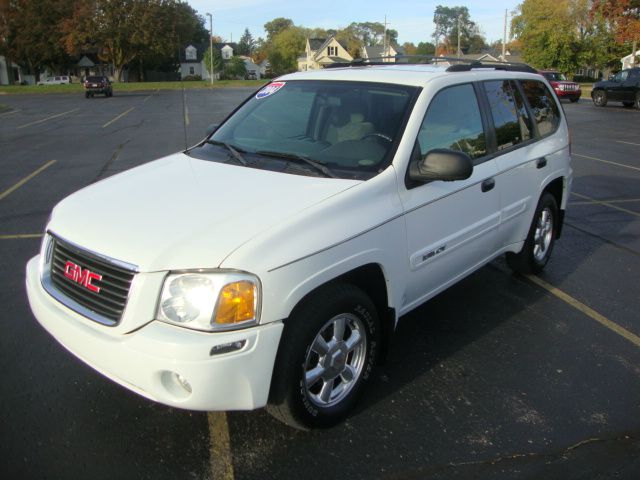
column 182, row 213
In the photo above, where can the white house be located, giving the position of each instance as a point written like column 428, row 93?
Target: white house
column 192, row 59
column 381, row 53
column 627, row 61
column 320, row 52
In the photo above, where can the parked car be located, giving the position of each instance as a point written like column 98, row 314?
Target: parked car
column 623, row 87
column 57, row 80
column 563, row 87
column 269, row 264
column 97, row 84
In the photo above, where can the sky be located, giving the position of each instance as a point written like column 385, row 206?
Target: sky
column 412, row 19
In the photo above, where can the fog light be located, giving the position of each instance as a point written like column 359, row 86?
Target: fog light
column 227, row 347
column 180, row 380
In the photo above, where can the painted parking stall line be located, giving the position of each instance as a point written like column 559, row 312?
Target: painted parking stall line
column 605, row 161
column 118, row 117
column 13, row 188
column 588, row 311
column 606, row 204
column 47, row 118
column 21, row 236
column 220, row 447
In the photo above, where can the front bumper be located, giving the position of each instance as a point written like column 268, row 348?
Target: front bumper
column 148, row 360
column 568, row 93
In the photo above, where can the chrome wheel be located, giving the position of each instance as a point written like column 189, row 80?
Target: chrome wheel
column 600, row 98
column 543, row 235
column 335, row 360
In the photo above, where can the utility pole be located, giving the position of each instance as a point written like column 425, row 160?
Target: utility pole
column 210, row 47
column 504, row 38
column 385, row 50
column 459, row 19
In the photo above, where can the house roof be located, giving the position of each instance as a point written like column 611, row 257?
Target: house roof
column 374, row 51
column 201, row 49
column 316, row 43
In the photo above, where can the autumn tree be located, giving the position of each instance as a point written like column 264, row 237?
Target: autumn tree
column 623, row 17
column 448, row 21
column 275, row 26
column 285, row 48
column 29, row 33
column 124, row 31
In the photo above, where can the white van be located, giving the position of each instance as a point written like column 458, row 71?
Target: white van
column 269, row 264
column 57, row 80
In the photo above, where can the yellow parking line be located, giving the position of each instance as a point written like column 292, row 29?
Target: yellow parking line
column 622, row 200
column 20, row 236
column 220, row 447
column 118, row 117
column 10, row 190
column 48, row 118
column 591, row 313
column 606, row 204
column 605, row 161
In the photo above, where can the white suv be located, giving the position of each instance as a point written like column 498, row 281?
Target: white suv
column 269, row 264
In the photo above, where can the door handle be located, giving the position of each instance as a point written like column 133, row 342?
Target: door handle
column 541, row 162
column 488, row 184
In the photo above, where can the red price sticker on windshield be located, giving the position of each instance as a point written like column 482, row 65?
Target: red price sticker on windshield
column 270, row 89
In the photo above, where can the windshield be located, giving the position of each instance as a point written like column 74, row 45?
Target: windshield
column 350, row 128
column 555, row 77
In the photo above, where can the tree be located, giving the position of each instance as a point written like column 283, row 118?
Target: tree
column 285, row 48
column 126, row 30
column 235, row 68
column 548, row 34
column 448, row 20
column 623, row 16
column 246, row 43
column 29, row 33
column 218, row 63
column 275, row 26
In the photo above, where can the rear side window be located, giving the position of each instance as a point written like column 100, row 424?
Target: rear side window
column 453, row 122
column 544, row 108
column 510, row 125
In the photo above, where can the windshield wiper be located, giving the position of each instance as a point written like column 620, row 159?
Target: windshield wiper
column 302, row 159
column 236, row 154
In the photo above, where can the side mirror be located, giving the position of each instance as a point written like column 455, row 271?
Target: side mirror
column 441, row 164
column 211, row 128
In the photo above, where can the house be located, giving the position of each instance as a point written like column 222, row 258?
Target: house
column 627, row 61
column 320, row 52
column 512, row 56
column 89, row 64
column 192, row 59
column 254, row 70
column 9, row 72
column 381, row 53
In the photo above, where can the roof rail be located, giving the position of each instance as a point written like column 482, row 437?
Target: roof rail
column 460, row 65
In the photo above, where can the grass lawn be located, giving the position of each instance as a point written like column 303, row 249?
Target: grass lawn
column 131, row 87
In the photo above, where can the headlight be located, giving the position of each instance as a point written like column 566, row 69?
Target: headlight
column 210, row 300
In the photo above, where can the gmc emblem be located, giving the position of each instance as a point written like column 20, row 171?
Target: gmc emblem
column 82, row 276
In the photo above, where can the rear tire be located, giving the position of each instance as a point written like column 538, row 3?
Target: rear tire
column 600, row 98
column 637, row 102
column 538, row 246
column 326, row 355
column 574, row 99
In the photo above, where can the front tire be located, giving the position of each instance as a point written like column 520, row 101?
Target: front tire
column 538, row 246
column 326, row 355
column 637, row 102
column 600, row 98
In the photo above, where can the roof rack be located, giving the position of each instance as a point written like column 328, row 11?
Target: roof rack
column 460, row 65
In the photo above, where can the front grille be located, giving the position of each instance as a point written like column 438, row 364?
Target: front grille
column 104, row 293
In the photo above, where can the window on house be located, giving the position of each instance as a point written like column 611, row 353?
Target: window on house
column 332, row 51
column 190, row 53
column 192, row 71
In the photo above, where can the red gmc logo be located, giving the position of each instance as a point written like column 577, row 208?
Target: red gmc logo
column 82, row 276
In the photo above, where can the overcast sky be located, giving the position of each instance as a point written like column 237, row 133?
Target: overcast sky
column 412, row 19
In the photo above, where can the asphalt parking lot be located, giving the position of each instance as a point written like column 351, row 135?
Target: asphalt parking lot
column 499, row 377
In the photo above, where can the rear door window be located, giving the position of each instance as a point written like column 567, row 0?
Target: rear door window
column 544, row 108
column 510, row 126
